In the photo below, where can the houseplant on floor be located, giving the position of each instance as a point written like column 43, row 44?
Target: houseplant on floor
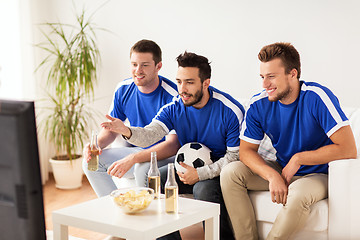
column 73, row 59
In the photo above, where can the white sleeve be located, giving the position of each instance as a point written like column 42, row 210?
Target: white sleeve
column 146, row 136
column 213, row 170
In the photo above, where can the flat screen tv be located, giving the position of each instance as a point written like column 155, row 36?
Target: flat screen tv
column 21, row 200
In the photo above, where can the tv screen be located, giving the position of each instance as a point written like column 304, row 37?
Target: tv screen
column 21, row 201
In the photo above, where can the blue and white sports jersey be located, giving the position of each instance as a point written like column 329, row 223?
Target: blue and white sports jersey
column 216, row 125
column 303, row 125
column 140, row 108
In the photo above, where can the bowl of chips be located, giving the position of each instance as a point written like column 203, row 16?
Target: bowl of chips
column 133, row 200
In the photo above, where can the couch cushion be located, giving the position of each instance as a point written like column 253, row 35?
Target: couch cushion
column 353, row 115
column 266, row 210
column 265, row 227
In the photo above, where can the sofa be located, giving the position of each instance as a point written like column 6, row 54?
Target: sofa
column 337, row 217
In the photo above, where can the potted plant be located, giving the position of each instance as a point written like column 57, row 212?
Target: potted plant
column 72, row 59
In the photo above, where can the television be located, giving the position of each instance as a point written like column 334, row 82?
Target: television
column 21, row 199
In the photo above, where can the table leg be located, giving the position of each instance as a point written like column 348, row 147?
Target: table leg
column 60, row 231
column 212, row 228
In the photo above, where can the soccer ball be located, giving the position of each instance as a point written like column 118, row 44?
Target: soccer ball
column 193, row 154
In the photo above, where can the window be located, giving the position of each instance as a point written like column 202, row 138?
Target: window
column 16, row 57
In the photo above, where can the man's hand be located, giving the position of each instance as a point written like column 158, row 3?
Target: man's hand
column 278, row 189
column 290, row 169
column 87, row 152
column 190, row 176
column 120, row 167
column 116, row 125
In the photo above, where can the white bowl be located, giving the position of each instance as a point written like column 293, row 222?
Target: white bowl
column 134, row 199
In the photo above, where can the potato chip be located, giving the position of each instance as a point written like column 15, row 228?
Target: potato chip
column 132, row 201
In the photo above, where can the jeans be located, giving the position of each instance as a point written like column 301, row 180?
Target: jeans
column 206, row 190
column 103, row 184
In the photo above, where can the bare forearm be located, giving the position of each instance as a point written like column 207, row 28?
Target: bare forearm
column 277, row 185
column 257, row 164
column 323, row 155
column 343, row 147
column 106, row 137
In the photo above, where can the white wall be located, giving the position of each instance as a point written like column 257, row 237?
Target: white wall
column 229, row 32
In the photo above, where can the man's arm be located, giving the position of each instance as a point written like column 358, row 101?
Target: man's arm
column 142, row 137
column 105, row 137
column 234, row 119
column 193, row 175
column 117, row 126
column 343, row 147
column 164, row 150
column 213, row 170
column 249, row 156
column 138, row 136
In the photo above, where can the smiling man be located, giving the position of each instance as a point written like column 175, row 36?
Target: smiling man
column 137, row 99
column 201, row 114
column 307, row 128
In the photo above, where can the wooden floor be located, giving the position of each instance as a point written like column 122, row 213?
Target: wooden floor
column 56, row 199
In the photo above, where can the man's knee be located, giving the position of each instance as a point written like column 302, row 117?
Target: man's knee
column 84, row 165
column 301, row 195
column 101, row 167
column 207, row 190
column 233, row 172
column 141, row 168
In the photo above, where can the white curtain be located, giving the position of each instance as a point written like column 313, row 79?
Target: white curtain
column 17, row 80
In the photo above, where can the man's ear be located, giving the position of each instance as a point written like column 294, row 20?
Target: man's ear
column 293, row 73
column 206, row 83
column 158, row 66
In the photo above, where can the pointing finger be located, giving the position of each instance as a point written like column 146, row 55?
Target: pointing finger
column 109, row 117
column 184, row 165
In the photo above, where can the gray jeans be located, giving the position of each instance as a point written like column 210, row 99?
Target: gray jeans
column 103, row 184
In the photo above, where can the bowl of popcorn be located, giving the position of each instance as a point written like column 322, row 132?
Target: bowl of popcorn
column 133, row 200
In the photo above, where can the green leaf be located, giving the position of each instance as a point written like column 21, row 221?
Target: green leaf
column 73, row 59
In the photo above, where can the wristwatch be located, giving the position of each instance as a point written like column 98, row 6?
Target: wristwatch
column 127, row 138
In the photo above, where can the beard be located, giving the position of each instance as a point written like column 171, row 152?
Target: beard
column 280, row 96
column 197, row 98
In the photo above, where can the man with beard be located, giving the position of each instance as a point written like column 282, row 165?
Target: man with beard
column 201, row 113
column 137, row 99
column 307, row 128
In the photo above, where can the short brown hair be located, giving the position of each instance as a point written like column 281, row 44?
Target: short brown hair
column 284, row 51
column 147, row 46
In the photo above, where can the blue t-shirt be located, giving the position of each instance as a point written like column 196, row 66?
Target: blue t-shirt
column 140, row 108
column 216, row 125
column 303, row 125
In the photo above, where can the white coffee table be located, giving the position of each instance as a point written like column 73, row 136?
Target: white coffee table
column 102, row 215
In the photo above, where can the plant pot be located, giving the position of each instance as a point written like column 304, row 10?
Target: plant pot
column 68, row 174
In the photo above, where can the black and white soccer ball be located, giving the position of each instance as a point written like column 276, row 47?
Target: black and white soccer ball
column 193, row 154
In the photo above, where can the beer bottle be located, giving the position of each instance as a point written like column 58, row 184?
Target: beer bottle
column 154, row 175
column 93, row 164
column 171, row 191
